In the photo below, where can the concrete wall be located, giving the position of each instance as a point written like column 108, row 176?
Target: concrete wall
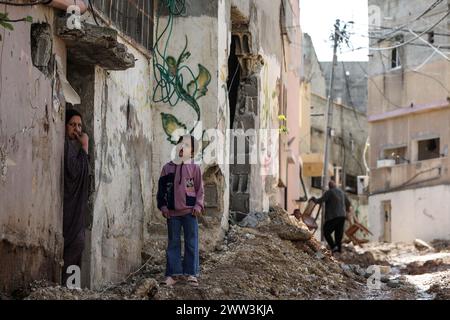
column 294, row 114
column 347, row 149
column 117, row 116
column 31, row 159
column 419, row 213
column 349, row 122
column 407, row 104
column 206, row 29
column 123, row 138
column 350, row 87
column 406, row 131
column 312, row 71
column 398, row 88
column 390, row 89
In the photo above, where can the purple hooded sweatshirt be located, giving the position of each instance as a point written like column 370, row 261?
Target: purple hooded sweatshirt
column 180, row 189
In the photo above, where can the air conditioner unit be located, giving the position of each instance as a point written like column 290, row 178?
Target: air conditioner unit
column 363, row 184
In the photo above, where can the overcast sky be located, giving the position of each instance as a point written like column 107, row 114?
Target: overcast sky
column 317, row 19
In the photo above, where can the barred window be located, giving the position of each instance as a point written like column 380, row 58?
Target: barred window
column 132, row 17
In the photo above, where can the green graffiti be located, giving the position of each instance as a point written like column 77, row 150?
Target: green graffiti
column 172, row 127
column 170, row 72
column 5, row 22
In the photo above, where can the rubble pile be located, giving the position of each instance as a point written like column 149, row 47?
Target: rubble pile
column 441, row 245
column 430, row 266
column 441, row 289
column 421, row 265
column 354, row 255
column 136, row 289
column 275, row 258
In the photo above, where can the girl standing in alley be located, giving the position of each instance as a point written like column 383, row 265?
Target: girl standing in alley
column 180, row 200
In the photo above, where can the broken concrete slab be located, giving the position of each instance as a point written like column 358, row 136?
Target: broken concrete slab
column 255, row 219
column 422, row 245
column 95, row 45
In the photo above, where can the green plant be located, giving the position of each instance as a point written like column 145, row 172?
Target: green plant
column 6, row 23
column 283, row 128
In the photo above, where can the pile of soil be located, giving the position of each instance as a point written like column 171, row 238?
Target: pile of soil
column 277, row 259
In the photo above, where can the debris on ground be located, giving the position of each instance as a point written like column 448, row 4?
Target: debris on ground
column 364, row 258
column 423, row 266
column 255, row 219
column 441, row 289
column 441, row 245
column 274, row 256
column 422, row 245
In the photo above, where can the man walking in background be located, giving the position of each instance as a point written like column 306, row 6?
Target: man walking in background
column 336, row 203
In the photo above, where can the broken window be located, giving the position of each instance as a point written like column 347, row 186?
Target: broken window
column 351, row 184
column 398, row 154
column 133, row 18
column 429, row 149
column 431, row 37
column 316, row 182
column 395, row 59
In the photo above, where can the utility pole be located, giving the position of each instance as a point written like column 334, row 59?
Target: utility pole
column 339, row 36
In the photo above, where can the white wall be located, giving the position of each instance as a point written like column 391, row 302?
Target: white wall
column 123, row 140
column 419, row 213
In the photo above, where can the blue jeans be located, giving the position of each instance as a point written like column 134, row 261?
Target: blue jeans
column 191, row 264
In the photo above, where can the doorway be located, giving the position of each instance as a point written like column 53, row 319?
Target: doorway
column 386, row 218
column 82, row 79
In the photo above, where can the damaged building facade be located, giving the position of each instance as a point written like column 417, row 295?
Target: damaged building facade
column 224, row 65
column 245, row 57
column 409, row 127
column 103, row 69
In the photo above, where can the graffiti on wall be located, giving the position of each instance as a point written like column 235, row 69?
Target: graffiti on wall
column 270, row 101
column 175, row 81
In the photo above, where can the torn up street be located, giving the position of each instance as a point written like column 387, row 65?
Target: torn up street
column 278, row 260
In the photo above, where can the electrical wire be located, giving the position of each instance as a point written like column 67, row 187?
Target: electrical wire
column 430, row 45
column 352, row 105
column 412, row 39
column 94, row 15
column 379, row 90
column 429, row 9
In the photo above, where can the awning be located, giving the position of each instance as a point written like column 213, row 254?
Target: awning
column 313, row 165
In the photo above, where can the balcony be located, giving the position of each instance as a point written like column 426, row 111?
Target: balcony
column 409, row 175
column 95, row 45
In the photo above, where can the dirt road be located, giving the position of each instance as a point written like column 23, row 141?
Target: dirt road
column 278, row 259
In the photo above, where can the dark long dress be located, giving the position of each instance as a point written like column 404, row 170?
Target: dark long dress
column 76, row 182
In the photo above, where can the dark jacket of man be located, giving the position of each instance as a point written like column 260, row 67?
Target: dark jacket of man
column 335, row 203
